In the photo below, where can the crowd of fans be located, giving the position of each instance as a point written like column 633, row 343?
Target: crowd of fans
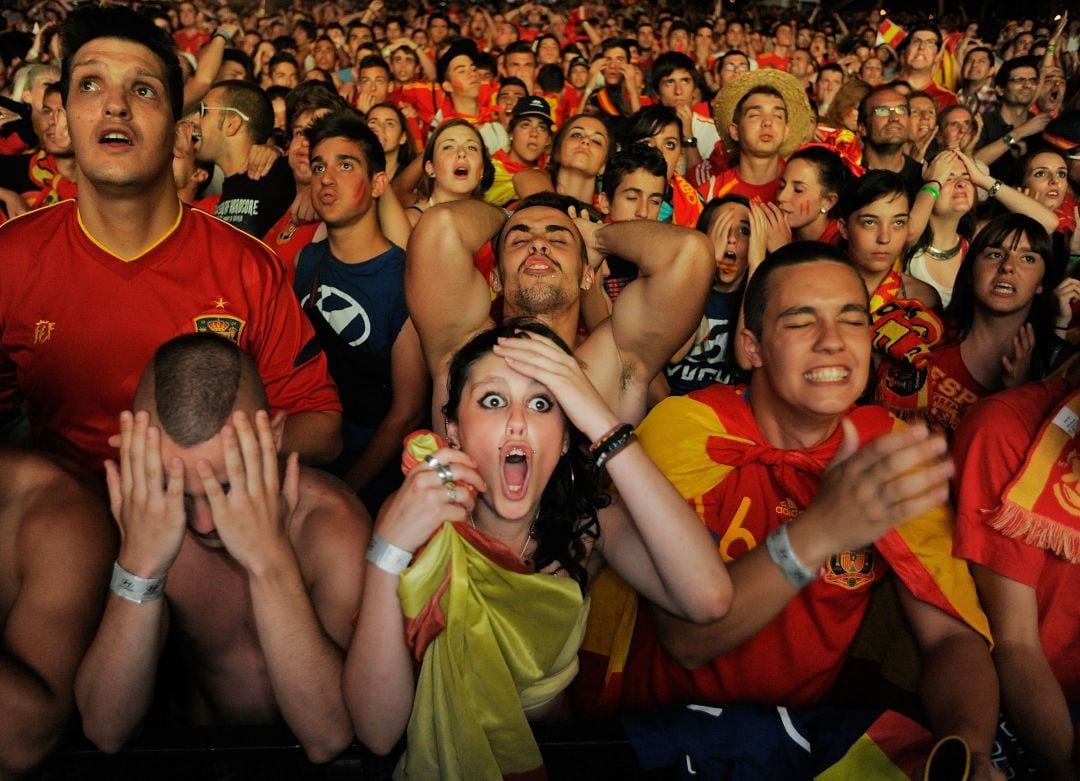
column 637, row 346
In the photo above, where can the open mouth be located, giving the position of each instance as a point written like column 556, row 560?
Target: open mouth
column 728, row 264
column 515, row 469
column 461, row 172
column 827, row 374
column 116, row 138
column 1003, row 289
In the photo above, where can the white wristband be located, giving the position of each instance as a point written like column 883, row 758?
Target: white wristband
column 131, row 587
column 795, row 572
column 387, row 556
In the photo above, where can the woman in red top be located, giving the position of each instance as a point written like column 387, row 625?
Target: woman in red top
column 1002, row 318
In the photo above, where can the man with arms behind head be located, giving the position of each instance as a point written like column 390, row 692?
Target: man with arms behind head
column 260, row 576
column 147, row 267
column 56, row 546
column 544, row 259
column 806, row 521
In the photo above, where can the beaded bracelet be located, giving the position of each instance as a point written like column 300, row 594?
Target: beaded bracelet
column 611, row 443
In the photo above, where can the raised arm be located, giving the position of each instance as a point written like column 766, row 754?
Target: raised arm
column 209, row 63
column 62, row 553
column 379, row 678
column 655, row 313
column 860, row 498
column 448, row 297
column 650, row 535
column 115, row 683
column 1010, row 197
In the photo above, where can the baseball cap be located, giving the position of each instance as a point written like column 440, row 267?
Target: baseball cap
column 531, row 106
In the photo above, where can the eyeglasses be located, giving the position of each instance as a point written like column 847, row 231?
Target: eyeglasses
column 884, row 111
column 1023, row 79
column 203, row 108
column 929, row 43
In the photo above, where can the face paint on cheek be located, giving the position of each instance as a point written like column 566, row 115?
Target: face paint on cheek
column 804, row 209
column 359, row 194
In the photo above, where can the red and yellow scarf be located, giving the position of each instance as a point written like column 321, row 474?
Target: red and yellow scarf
column 1042, row 503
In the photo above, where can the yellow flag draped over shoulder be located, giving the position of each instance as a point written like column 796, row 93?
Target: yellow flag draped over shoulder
column 494, row 638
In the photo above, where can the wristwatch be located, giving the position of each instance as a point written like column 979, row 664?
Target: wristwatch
column 689, row 142
column 1009, row 140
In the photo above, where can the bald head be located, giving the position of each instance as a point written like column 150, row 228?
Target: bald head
column 194, row 382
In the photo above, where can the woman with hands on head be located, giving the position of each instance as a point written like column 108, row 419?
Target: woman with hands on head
column 504, row 530
column 948, row 195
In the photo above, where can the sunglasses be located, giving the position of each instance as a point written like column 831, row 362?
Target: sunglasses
column 203, row 108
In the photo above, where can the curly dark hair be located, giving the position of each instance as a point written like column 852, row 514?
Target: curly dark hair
column 567, row 519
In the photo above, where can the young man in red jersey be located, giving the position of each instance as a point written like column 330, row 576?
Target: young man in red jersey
column 147, row 268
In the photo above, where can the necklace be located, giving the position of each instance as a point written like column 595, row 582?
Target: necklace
column 943, row 254
column 528, row 538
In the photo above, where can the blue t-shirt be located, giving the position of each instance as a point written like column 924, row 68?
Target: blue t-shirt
column 706, row 363
column 362, row 309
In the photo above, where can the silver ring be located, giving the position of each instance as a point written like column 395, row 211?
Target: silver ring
column 433, row 462
column 451, row 493
column 445, row 473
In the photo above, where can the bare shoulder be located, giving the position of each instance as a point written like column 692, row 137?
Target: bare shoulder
column 52, row 521
column 330, row 521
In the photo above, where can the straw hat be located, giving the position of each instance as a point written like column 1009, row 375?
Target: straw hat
column 798, row 105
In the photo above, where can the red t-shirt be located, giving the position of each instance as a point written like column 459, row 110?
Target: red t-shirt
column 191, row 42
column 943, row 97
column 287, row 239
column 773, row 60
column 729, row 182
column 989, row 449
column 78, row 324
column 794, row 659
column 952, row 389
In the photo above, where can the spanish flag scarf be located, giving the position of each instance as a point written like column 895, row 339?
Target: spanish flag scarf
column 494, row 639
column 903, row 328
column 697, row 441
column 1042, row 503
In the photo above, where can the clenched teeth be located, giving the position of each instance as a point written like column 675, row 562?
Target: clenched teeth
column 829, row 374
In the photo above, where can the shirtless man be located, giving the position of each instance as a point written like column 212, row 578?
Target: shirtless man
column 56, row 545
column 544, row 259
column 262, row 580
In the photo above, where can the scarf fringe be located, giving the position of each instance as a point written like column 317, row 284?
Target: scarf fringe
column 1014, row 520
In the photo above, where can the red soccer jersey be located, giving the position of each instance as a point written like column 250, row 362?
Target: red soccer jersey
column 287, row 238
column 191, row 42
column 78, row 324
column 990, row 447
column 942, row 97
column 729, row 182
column 794, row 659
column 951, row 390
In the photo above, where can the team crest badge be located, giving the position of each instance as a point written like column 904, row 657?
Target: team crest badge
column 851, row 569
column 223, row 325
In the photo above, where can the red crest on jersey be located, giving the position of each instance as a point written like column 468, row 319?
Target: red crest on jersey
column 851, row 569
column 223, row 325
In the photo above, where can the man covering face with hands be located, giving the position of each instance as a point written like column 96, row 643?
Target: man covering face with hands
column 258, row 567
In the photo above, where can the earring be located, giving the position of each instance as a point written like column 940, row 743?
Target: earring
column 824, row 210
